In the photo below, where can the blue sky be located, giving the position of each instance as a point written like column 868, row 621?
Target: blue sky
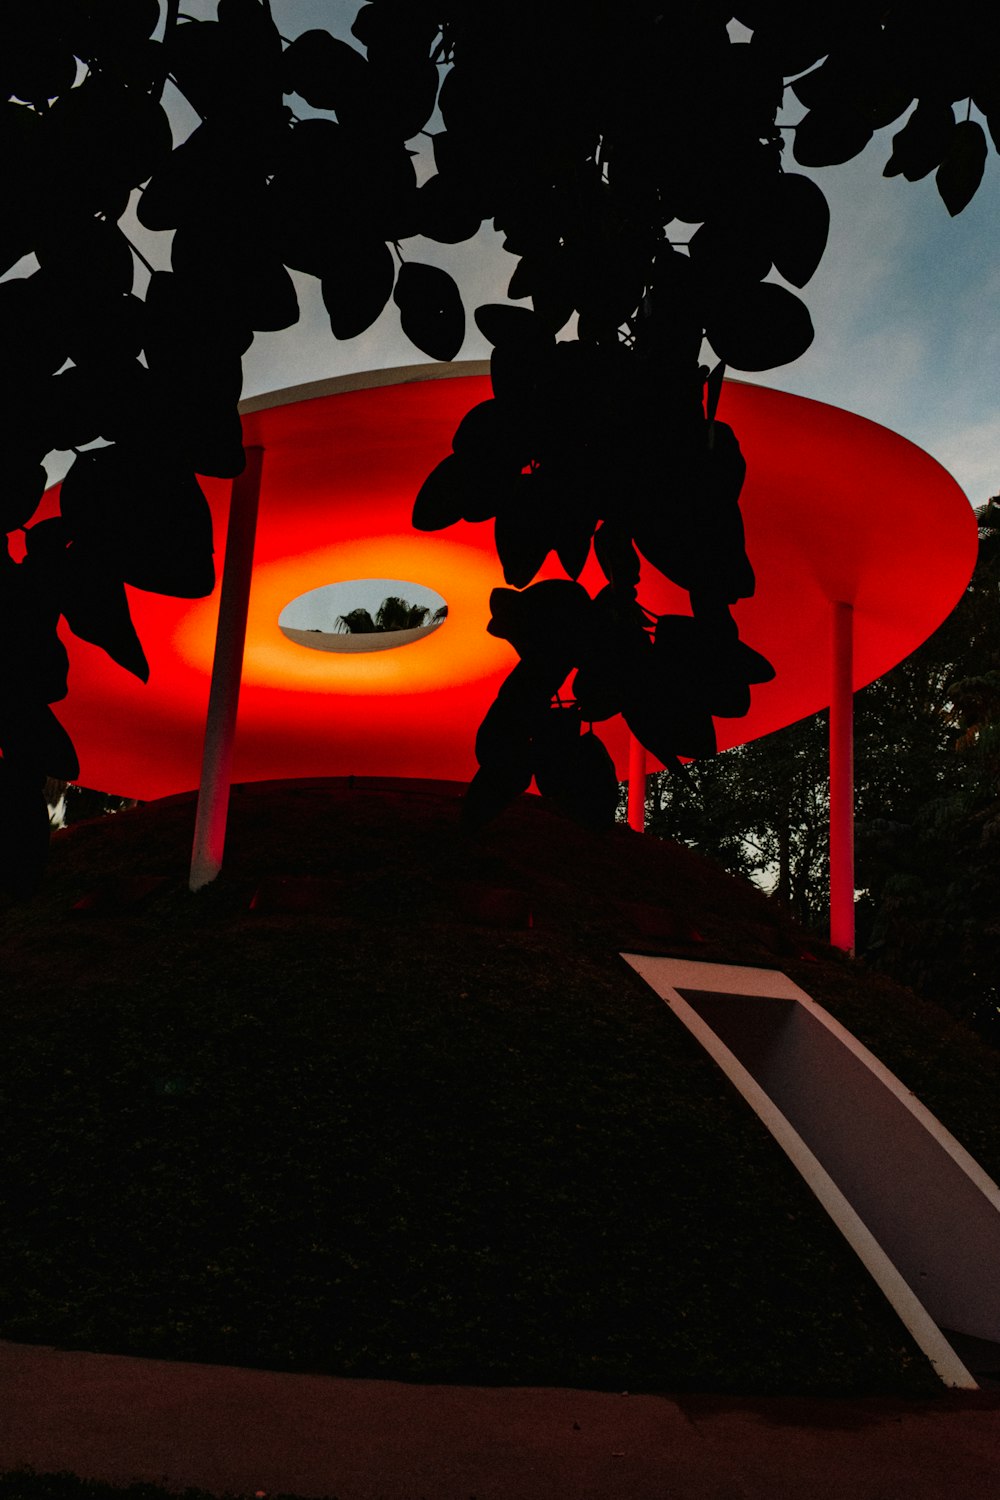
column 905, row 309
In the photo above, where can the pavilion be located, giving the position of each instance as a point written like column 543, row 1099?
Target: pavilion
column 862, row 544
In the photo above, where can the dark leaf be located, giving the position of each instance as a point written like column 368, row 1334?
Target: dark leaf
column 241, row 272
column 598, row 689
column 801, row 221
column 105, row 331
column 511, row 723
column 669, row 736
column 713, row 390
column 192, row 427
column 443, row 495
column 760, row 328
column 754, row 666
column 32, row 736
column 703, row 666
column 33, row 660
column 91, row 401
column 105, row 140
column 86, row 257
column 670, row 730
column 513, row 327
column 96, row 609
column 862, row 73
column 404, row 89
column 583, row 782
column 793, row 37
column 148, row 520
column 697, row 540
column 555, row 615
column 108, row 24
column 724, row 472
column 75, row 409
column 393, row 30
column 573, row 531
column 357, row 280
column 211, row 173
column 430, row 309
column 332, row 187
column 188, row 330
column 556, row 733
column 524, row 535
column 22, row 484
column 492, row 789
column 444, row 213
column 229, row 69
column 825, row 137
column 614, row 656
column 523, row 539
column 490, row 434
column 33, row 325
column 522, row 375
column 24, row 826
column 923, row 141
column 541, row 278
column 23, row 173
column 617, row 556
column 40, row 70
column 730, row 251
column 961, row 171
column 326, row 72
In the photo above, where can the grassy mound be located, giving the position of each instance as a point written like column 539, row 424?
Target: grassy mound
column 411, row 1115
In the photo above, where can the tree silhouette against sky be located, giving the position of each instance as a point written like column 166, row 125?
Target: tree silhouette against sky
column 392, row 614
column 633, row 157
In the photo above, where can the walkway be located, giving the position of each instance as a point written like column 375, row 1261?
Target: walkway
column 246, row 1431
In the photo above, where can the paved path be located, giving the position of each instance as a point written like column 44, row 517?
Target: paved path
column 113, row 1418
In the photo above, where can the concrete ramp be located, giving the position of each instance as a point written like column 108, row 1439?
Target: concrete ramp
column 922, row 1215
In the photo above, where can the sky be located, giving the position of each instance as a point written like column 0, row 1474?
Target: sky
column 904, row 303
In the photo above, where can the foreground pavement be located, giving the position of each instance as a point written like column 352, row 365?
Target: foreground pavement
column 249, row 1431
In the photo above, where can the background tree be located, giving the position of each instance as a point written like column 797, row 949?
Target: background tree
column 393, row 613
column 760, row 810
column 927, row 770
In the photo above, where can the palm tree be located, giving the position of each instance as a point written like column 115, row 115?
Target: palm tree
column 394, row 613
column 355, row 622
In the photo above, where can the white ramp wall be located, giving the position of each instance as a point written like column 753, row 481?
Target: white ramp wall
column 931, row 1209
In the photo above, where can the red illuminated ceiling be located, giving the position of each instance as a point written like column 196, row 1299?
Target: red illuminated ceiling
column 835, row 507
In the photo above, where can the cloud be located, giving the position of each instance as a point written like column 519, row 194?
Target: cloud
column 972, row 454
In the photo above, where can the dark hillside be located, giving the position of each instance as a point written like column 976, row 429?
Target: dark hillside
column 384, row 1100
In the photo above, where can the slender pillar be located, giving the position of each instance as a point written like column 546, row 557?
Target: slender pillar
column 842, row 780
column 227, row 668
column 636, row 785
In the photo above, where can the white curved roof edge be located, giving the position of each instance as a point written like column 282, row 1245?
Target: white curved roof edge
column 362, row 380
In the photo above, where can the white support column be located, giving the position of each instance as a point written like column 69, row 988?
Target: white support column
column 227, row 668
column 636, row 785
column 842, row 780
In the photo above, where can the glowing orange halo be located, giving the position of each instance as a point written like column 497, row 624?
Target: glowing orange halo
column 835, row 507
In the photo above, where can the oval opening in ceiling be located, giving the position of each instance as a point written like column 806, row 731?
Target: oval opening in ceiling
column 363, row 614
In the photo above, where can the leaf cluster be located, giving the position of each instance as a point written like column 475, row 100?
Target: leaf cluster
column 862, row 68
column 631, row 158
column 607, row 440
column 140, row 375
